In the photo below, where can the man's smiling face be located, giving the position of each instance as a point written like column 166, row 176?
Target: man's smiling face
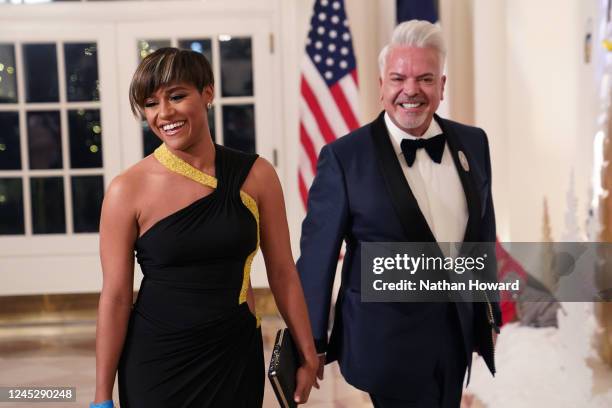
column 412, row 86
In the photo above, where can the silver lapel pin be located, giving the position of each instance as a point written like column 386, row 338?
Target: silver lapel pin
column 464, row 161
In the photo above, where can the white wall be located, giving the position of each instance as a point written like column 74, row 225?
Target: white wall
column 537, row 99
column 489, row 97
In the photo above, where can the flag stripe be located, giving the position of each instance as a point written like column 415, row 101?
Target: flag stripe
column 321, row 91
column 345, row 108
column 303, row 189
column 309, row 148
column 354, row 75
column 351, row 92
column 310, row 124
column 308, row 173
column 317, row 113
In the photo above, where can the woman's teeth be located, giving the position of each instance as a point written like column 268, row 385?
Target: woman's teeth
column 172, row 126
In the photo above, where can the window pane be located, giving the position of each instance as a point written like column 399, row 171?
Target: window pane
column 8, row 74
column 40, row 63
column 11, row 206
column 201, row 46
column 44, row 140
column 236, row 66
column 10, row 154
column 239, row 127
column 87, row 193
column 85, row 138
column 82, row 72
column 146, row 47
column 48, row 215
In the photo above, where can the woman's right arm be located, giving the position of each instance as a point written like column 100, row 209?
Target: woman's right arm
column 118, row 233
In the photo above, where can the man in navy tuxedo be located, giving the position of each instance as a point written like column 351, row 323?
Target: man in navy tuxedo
column 408, row 176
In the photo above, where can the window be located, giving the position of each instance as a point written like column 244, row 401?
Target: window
column 51, row 165
column 66, row 128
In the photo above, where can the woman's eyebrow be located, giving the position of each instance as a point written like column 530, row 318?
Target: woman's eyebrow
column 173, row 88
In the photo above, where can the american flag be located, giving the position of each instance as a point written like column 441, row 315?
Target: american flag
column 328, row 89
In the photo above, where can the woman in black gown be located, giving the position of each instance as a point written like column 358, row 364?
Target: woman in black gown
column 195, row 213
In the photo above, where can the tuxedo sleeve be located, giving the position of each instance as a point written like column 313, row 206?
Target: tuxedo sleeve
column 490, row 233
column 323, row 231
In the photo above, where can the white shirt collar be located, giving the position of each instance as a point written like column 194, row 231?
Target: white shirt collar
column 396, row 134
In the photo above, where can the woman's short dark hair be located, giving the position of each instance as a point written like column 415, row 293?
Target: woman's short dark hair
column 168, row 66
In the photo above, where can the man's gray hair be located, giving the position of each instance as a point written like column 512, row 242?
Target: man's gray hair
column 414, row 33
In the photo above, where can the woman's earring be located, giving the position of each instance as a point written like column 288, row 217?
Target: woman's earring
column 209, row 105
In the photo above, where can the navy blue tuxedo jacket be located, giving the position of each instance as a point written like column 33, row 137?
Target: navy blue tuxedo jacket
column 360, row 195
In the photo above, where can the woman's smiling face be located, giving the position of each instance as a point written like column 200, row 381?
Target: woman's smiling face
column 177, row 114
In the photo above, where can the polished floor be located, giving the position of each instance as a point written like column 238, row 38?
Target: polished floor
column 64, row 355
column 535, row 367
column 51, row 354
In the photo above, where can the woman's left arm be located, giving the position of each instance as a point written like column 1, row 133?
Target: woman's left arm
column 282, row 273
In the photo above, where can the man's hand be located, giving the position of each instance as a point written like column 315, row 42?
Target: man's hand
column 320, row 370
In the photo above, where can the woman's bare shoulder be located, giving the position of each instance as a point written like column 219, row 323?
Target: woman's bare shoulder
column 131, row 183
column 261, row 178
column 262, row 171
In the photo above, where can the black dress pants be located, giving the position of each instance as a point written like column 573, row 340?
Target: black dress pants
column 445, row 386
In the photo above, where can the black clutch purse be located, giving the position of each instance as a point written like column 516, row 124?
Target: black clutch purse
column 284, row 364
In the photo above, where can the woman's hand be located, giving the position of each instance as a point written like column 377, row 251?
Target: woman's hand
column 104, row 404
column 305, row 378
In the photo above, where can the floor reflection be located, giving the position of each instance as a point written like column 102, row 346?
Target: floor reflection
column 64, row 355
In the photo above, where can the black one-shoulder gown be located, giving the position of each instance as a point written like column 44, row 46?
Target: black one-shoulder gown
column 192, row 340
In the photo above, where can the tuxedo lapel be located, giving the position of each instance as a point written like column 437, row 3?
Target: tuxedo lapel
column 404, row 203
column 467, row 181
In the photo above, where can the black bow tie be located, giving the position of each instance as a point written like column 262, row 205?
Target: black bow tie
column 434, row 146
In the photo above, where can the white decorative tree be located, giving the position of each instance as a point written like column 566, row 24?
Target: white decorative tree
column 572, row 230
column 548, row 274
column 593, row 221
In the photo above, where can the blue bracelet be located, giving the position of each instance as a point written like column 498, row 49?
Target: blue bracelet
column 103, row 404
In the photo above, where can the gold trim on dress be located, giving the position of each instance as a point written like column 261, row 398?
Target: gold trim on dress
column 180, row 166
column 250, row 203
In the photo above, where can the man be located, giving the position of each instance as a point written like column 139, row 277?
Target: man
column 377, row 184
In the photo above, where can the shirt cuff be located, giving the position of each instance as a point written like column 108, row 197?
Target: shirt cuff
column 321, row 345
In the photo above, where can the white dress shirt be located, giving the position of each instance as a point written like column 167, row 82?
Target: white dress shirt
column 436, row 187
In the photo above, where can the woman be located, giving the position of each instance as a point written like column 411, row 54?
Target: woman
column 195, row 213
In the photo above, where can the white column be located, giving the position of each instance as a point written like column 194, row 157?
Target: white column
column 489, row 36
